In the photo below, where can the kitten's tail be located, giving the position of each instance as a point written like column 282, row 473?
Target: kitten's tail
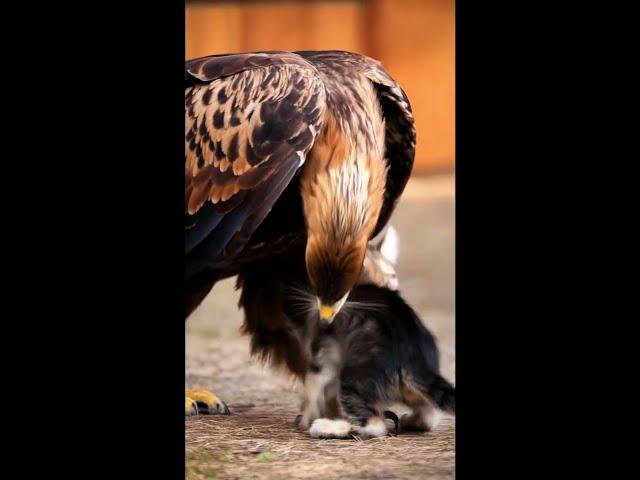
column 439, row 390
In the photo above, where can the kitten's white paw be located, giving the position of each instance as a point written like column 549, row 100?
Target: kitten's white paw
column 432, row 418
column 327, row 428
column 375, row 427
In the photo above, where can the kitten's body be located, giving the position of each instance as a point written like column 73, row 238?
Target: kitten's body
column 375, row 357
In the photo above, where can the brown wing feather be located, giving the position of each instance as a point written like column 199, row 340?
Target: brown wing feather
column 250, row 120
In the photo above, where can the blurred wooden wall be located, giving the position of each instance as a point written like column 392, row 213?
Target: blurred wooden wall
column 414, row 39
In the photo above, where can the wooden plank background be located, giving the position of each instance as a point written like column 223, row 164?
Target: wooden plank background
column 414, row 39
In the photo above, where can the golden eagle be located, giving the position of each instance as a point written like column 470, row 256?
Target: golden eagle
column 302, row 154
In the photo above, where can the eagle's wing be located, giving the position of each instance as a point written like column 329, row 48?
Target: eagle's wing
column 400, row 132
column 250, row 120
column 400, row 137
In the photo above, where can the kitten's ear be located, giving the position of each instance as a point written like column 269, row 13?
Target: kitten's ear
column 389, row 246
column 376, row 242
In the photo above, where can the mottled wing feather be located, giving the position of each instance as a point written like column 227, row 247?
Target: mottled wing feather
column 213, row 67
column 400, row 133
column 250, row 120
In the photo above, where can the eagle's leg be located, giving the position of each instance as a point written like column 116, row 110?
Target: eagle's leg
column 201, row 401
column 198, row 400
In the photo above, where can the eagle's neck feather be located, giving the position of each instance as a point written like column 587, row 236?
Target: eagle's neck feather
column 344, row 178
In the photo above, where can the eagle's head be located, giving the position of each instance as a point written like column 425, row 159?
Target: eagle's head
column 341, row 204
column 333, row 271
column 342, row 187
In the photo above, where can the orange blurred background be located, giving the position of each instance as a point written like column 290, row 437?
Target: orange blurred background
column 414, row 40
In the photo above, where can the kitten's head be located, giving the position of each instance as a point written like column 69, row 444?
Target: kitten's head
column 380, row 260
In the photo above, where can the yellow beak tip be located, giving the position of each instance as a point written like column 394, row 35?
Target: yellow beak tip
column 326, row 312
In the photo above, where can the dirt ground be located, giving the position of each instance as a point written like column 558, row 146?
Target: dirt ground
column 259, row 440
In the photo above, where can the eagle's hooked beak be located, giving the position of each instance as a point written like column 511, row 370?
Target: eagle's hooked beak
column 327, row 312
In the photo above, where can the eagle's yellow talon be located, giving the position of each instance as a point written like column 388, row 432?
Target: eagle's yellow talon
column 205, row 402
column 190, row 407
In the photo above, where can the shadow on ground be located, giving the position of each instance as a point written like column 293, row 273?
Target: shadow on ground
column 260, row 440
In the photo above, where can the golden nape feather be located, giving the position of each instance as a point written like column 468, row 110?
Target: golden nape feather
column 287, row 150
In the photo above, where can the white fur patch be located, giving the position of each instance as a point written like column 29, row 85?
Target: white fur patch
column 327, row 428
column 375, row 428
column 431, row 417
column 389, row 248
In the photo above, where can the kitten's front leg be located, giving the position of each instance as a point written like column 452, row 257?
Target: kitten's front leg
column 323, row 371
column 332, row 409
column 313, row 403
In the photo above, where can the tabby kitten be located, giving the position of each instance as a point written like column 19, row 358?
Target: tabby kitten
column 375, row 360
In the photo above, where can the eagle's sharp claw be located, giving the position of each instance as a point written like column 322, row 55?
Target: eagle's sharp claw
column 205, row 403
column 190, row 407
